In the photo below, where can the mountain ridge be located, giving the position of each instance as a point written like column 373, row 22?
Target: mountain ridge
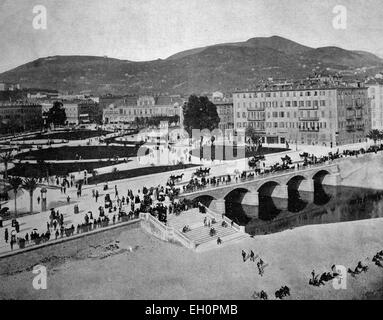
column 224, row 67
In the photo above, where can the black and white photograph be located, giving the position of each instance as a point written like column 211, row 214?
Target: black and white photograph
column 174, row 150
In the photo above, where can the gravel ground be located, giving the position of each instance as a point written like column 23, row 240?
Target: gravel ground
column 135, row 265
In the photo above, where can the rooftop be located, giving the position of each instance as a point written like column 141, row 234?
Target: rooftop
column 302, row 87
column 8, row 104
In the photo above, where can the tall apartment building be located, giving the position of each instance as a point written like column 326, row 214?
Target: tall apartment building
column 375, row 94
column 324, row 114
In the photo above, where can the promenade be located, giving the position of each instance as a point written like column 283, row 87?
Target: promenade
column 86, row 203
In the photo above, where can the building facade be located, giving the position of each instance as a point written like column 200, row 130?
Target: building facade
column 324, row 115
column 127, row 110
column 77, row 112
column 9, row 86
column 24, row 115
column 225, row 113
column 375, row 94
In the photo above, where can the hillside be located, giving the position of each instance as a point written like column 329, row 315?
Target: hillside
column 218, row 67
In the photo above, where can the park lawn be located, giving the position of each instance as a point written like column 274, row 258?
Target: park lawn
column 224, row 153
column 136, row 173
column 71, row 135
column 85, row 152
column 60, row 169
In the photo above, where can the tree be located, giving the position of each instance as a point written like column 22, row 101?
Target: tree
column 56, row 114
column 253, row 137
column 30, row 185
column 374, row 135
column 6, row 158
column 15, row 183
column 200, row 113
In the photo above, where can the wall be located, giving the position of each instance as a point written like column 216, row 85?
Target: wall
column 72, row 247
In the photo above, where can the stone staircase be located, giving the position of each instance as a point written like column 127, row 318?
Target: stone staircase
column 200, row 234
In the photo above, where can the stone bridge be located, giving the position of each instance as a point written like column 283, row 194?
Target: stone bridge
column 275, row 185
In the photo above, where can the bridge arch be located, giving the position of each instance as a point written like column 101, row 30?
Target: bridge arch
column 205, row 199
column 267, row 189
column 295, row 182
column 236, row 195
column 319, row 175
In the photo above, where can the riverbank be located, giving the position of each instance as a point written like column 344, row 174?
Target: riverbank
column 362, row 172
column 152, row 269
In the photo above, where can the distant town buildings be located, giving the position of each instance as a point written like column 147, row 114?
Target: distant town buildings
column 128, row 109
column 20, row 115
column 77, row 111
column 9, row 86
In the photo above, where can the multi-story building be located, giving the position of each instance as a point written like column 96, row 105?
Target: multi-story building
column 375, row 94
column 168, row 106
column 89, row 112
column 323, row 114
column 225, row 113
column 9, row 86
column 25, row 115
column 77, row 111
column 127, row 110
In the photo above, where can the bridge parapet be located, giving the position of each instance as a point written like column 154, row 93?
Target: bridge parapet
column 280, row 177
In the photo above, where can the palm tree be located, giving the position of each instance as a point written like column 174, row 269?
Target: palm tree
column 30, row 185
column 6, row 158
column 15, row 183
column 374, row 135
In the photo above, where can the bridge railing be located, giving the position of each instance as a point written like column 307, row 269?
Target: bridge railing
column 236, row 179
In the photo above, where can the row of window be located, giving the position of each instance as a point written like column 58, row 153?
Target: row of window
column 282, row 114
column 282, row 94
column 284, row 125
column 136, row 112
column 287, row 104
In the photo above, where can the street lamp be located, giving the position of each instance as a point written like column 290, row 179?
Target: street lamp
column 43, row 192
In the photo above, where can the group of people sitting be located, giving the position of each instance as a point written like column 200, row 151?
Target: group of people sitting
column 282, row 292
column 377, row 259
column 317, row 280
column 262, row 295
column 358, row 269
column 279, row 294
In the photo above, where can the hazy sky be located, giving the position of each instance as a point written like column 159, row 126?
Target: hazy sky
column 152, row 29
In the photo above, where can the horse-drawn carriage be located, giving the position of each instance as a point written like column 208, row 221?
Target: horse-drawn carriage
column 202, row 172
column 254, row 160
column 174, row 178
column 286, row 160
